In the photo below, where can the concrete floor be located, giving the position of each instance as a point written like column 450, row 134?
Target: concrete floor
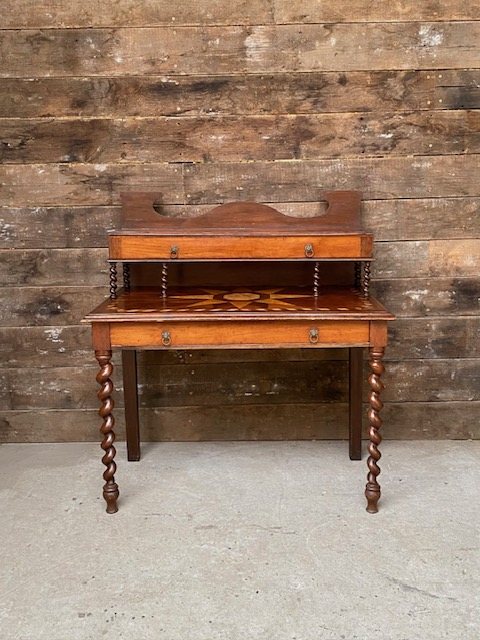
column 240, row 541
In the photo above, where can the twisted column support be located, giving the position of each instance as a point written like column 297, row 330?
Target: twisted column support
column 126, row 276
column 372, row 489
column 316, row 279
column 164, row 279
column 110, row 488
column 113, row 280
column 366, row 280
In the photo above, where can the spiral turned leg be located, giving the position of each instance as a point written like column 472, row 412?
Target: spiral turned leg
column 110, row 488
column 372, row 490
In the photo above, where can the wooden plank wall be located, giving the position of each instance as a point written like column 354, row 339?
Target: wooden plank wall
column 208, row 101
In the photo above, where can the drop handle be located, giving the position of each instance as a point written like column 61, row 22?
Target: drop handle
column 309, row 252
column 174, row 250
column 166, row 338
column 313, row 335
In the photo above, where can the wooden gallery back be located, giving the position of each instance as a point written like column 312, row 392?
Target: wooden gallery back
column 273, row 101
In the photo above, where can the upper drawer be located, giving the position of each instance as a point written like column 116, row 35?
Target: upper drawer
column 148, row 247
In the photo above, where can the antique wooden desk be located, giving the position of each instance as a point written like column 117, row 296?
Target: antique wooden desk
column 240, row 276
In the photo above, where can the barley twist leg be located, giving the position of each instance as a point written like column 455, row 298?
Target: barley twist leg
column 372, row 490
column 110, row 488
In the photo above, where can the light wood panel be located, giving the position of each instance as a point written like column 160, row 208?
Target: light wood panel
column 367, row 11
column 239, row 49
column 64, row 13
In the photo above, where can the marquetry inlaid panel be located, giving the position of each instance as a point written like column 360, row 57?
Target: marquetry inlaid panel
column 239, row 303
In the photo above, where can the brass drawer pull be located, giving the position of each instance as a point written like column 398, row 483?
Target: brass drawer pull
column 309, row 252
column 166, row 338
column 174, row 252
column 313, row 336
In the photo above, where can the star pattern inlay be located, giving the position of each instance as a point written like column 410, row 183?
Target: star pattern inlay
column 270, row 299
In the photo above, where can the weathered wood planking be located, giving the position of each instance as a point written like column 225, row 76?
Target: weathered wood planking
column 406, row 420
column 280, row 181
column 295, row 93
column 410, row 338
column 412, row 297
column 409, row 259
column 242, row 384
column 214, row 138
column 49, row 306
column 367, row 11
column 55, row 346
column 57, row 306
column 420, row 219
column 377, row 178
column 129, row 13
column 240, row 49
column 86, row 184
column 29, row 14
column 295, row 82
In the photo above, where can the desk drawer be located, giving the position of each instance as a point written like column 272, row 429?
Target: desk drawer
column 238, row 334
column 238, row 248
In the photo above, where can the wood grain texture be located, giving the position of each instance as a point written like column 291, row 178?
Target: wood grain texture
column 409, row 339
column 409, row 259
column 366, row 11
column 210, row 183
column 241, row 384
column 78, row 227
column 86, row 184
column 240, row 49
column 30, row 14
column 148, row 12
column 406, row 421
column 128, row 13
column 377, row 178
column 272, row 101
column 216, row 138
column 283, row 93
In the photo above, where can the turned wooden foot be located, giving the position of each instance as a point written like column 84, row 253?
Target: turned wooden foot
column 110, row 488
column 372, row 490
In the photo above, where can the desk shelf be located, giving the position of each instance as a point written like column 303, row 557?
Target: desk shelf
column 239, row 303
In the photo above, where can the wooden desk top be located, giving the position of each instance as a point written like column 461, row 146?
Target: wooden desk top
column 239, row 303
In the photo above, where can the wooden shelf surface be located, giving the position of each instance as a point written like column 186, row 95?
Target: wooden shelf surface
column 238, row 303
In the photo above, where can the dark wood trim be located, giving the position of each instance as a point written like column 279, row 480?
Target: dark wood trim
column 355, row 402
column 130, row 392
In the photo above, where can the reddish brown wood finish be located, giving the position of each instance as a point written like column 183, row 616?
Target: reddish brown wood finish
column 326, row 313
column 110, row 488
column 342, row 214
column 216, row 247
column 372, row 489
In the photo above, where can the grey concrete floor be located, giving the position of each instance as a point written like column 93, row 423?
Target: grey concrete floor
column 240, row 541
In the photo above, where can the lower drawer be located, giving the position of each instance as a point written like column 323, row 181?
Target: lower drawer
column 235, row 335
